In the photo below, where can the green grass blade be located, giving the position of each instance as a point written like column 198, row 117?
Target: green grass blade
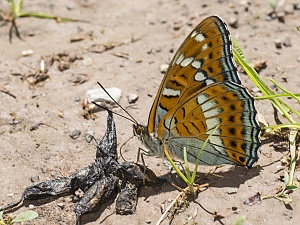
column 11, row 4
column 290, row 95
column 276, row 96
column 174, row 166
column 186, row 163
column 18, row 7
column 277, row 103
column 47, row 16
column 281, row 126
column 294, row 96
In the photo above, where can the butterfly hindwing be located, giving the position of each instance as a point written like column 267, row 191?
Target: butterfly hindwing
column 227, row 105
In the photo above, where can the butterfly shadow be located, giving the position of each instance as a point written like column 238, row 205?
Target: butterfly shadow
column 232, row 177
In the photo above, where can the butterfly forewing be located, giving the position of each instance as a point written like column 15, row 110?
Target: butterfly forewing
column 206, row 51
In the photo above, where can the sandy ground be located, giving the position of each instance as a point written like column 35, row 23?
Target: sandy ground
column 158, row 28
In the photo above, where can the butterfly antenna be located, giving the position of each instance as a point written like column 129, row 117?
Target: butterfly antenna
column 131, row 117
column 114, row 112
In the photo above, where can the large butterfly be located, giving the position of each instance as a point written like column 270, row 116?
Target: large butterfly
column 201, row 90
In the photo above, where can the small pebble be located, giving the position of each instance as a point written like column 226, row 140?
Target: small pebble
column 63, row 66
column 31, row 206
column 268, row 18
column 289, row 9
column 27, row 52
column 14, row 122
column 132, row 98
column 77, row 99
column 163, row 20
column 163, row 68
column 70, row 7
column 61, row 205
column 298, row 59
column 75, row 134
column 277, row 44
column 158, row 49
column 73, row 57
column 287, row 42
column 60, row 114
column 89, row 136
column 35, row 179
column 233, row 22
column 177, row 25
column 148, row 222
column 280, row 17
column 231, row 191
column 255, row 199
column 31, row 33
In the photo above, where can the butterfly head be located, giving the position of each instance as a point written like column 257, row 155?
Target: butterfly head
column 153, row 144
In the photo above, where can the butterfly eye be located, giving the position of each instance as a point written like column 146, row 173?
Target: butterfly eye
column 137, row 130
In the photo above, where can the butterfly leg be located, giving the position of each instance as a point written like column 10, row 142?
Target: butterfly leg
column 122, row 147
column 141, row 153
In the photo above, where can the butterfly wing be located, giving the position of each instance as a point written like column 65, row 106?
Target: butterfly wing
column 204, row 56
column 227, row 105
column 200, row 90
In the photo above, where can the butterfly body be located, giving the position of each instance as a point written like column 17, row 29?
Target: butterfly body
column 201, row 90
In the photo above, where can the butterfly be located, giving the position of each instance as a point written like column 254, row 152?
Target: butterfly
column 201, row 90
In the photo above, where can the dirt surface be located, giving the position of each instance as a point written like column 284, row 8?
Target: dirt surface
column 148, row 33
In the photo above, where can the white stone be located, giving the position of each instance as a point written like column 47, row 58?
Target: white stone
column 27, row 52
column 132, row 98
column 31, row 206
column 98, row 95
column 164, row 68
